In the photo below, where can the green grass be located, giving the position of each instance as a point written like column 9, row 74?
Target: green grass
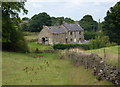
column 111, row 54
column 34, row 45
column 31, row 37
column 58, row 72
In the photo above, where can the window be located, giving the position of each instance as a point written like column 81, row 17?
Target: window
column 80, row 32
column 70, row 33
column 66, row 40
column 70, row 39
column 79, row 38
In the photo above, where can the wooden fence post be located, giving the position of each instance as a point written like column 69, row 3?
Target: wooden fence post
column 104, row 54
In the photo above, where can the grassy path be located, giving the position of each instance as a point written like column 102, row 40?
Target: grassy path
column 23, row 69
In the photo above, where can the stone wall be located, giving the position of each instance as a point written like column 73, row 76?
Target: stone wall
column 100, row 68
column 59, row 38
column 45, row 32
column 69, row 37
column 75, row 37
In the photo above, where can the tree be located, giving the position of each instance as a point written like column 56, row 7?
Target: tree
column 25, row 18
column 12, row 38
column 88, row 23
column 68, row 20
column 111, row 25
column 37, row 22
column 56, row 21
column 24, row 27
column 24, row 24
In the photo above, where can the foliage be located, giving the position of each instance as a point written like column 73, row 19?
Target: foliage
column 99, row 42
column 37, row 22
column 60, row 20
column 25, row 18
column 11, row 36
column 112, row 23
column 68, row 46
column 91, row 35
column 24, row 27
column 88, row 23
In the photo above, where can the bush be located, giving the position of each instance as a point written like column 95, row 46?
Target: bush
column 99, row 42
column 20, row 46
column 17, row 42
column 68, row 46
column 91, row 35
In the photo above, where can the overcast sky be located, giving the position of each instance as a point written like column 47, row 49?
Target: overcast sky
column 74, row 9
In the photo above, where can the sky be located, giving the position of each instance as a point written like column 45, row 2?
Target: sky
column 74, row 9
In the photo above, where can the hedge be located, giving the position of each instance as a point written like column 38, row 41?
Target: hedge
column 68, row 46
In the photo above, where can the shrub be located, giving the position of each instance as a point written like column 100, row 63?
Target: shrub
column 17, row 42
column 90, row 35
column 20, row 46
column 68, row 46
column 99, row 42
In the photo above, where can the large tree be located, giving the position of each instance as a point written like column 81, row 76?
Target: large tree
column 88, row 23
column 37, row 22
column 60, row 20
column 111, row 25
column 12, row 38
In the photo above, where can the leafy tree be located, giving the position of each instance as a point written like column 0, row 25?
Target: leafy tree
column 88, row 23
column 24, row 24
column 68, row 20
column 111, row 25
column 25, row 18
column 60, row 20
column 57, row 21
column 37, row 22
column 12, row 38
column 24, row 27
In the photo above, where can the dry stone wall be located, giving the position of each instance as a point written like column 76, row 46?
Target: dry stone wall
column 100, row 68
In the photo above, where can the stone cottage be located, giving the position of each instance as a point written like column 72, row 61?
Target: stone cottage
column 65, row 33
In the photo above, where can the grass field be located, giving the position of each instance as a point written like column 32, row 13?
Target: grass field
column 34, row 45
column 111, row 54
column 24, row 69
column 30, row 35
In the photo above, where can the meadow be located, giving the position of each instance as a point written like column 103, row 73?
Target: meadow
column 109, row 54
column 46, row 68
column 25, row 69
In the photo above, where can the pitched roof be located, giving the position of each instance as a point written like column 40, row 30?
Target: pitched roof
column 57, row 29
column 73, row 27
column 64, row 27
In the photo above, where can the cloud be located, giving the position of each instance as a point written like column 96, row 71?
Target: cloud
column 74, row 1
column 74, row 9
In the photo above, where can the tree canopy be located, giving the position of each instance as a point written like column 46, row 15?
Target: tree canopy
column 60, row 20
column 37, row 22
column 111, row 25
column 88, row 23
column 12, row 38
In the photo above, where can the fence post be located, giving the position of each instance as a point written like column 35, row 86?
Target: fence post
column 104, row 53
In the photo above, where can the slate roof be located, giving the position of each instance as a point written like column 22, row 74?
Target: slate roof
column 57, row 29
column 73, row 27
column 68, row 27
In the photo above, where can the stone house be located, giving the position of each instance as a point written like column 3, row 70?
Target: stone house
column 65, row 33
